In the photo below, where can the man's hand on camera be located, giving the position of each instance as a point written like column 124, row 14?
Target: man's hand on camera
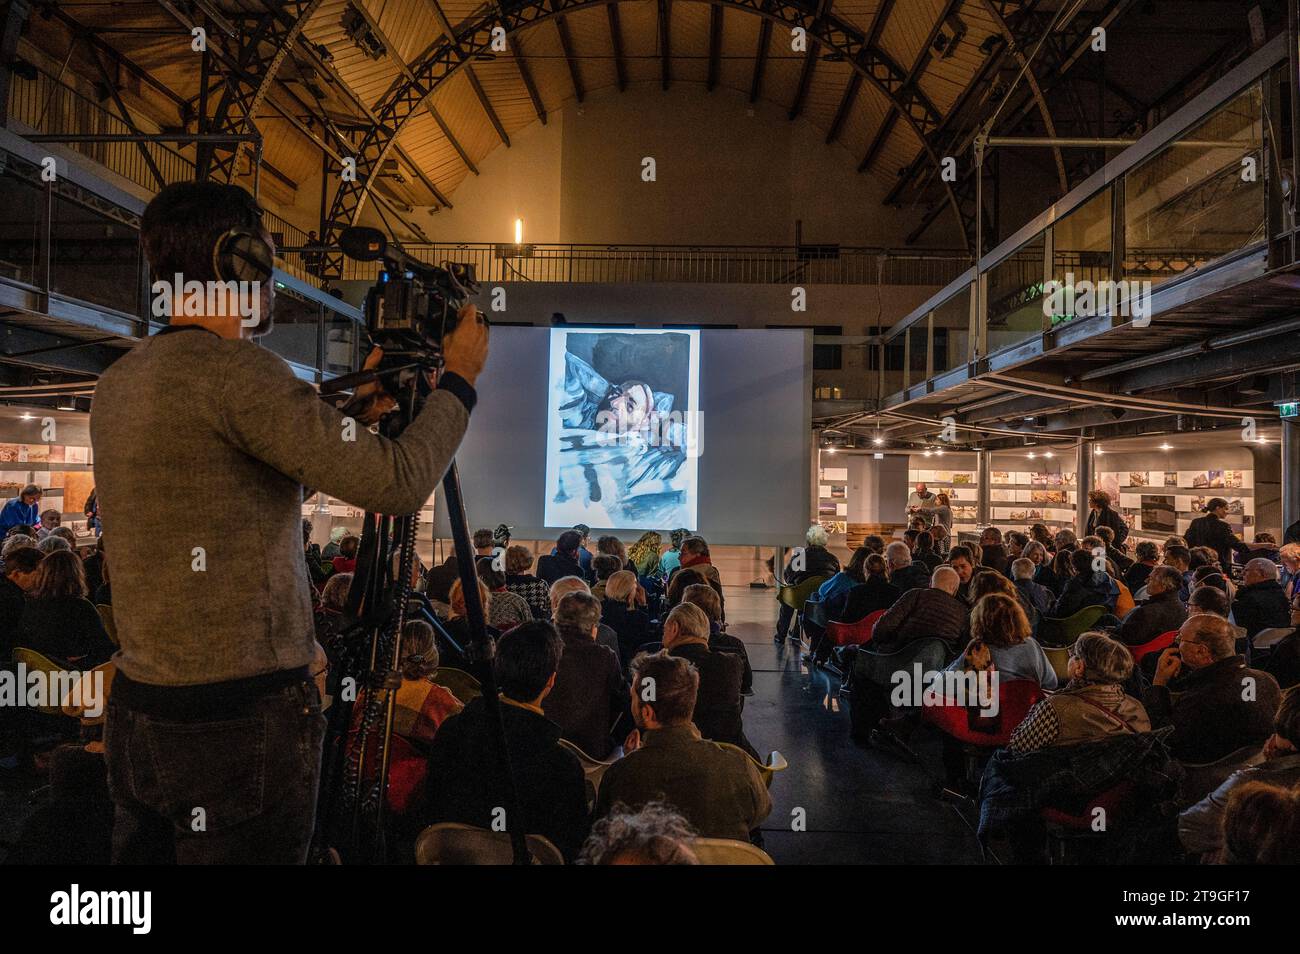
column 370, row 401
column 465, row 349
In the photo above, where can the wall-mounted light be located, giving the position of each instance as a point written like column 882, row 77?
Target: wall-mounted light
column 1098, row 451
column 519, row 231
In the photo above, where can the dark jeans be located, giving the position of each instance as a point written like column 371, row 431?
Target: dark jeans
column 254, row 774
column 783, row 621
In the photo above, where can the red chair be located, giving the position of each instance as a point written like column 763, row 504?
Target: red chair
column 1159, row 644
column 964, row 724
column 1064, row 827
column 853, row 634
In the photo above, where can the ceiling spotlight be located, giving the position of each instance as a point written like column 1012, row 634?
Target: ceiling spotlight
column 927, row 453
column 938, row 453
column 1166, row 446
column 1049, row 455
column 27, row 416
column 1098, row 451
column 878, row 441
column 1032, row 455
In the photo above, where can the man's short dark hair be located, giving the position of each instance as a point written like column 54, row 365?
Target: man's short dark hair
column 569, row 541
column 183, row 223
column 961, row 552
column 1169, row 575
column 668, row 684
column 694, row 546
column 1147, row 550
column 482, row 539
column 1209, row 599
column 526, row 659
column 1082, row 561
column 1107, row 535
column 1181, row 554
column 605, row 565
column 23, row 559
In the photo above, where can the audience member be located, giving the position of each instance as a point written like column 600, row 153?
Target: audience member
column 1113, row 553
column 903, row 572
column 806, row 563
column 1206, row 692
column 589, row 695
column 21, row 563
column 564, row 560
column 1148, row 556
column 1039, row 597
column 504, row 609
column 605, row 635
column 672, row 557
column 1163, row 610
column 58, row 620
column 346, row 561
column 535, row 592
column 1210, row 600
column 998, row 622
column 655, row 835
column 1041, row 557
column 1200, row 827
column 874, row 593
column 962, row 560
column 994, row 554
column 706, row 598
column 847, row 578
column 1086, row 587
column 623, row 610
column 1091, row 706
column 718, row 790
column 1261, row 825
column 51, row 544
column 1261, row 602
column 466, row 780
column 1180, row 558
column 721, row 674
column 644, row 554
column 695, row 555
column 22, row 511
column 919, row 613
column 603, row 566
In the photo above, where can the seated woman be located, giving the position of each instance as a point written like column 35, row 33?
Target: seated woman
column 986, row 581
column 1041, row 557
column 329, row 618
column 621, row 611
column 504, row 609
column 1124, row 603
column 457, row 625
column 845, row 579
column 58, row 621
column 420, row 708
column 1091, row 706
column 998, row 622
column 1086, row 587
column 346, row 561
column 874, row 593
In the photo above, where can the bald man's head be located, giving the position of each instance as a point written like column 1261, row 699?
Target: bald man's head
column 1215, row 634
column 945, row 578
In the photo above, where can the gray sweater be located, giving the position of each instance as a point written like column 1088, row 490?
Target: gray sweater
column 202, row 441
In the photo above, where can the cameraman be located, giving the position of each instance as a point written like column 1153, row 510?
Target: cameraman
column 204, row 442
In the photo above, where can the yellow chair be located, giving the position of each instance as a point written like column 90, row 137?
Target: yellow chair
column 458, row 682
column 74, row 704
column 726, row 851
column 775, row 762
column 593, row 770
column 451, row 843
column 795, row 596
column 1063, row 631
column 106, row 615
column 37, row 663
column 1059, row 657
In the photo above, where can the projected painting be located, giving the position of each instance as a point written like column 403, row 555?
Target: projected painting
column 623, row 429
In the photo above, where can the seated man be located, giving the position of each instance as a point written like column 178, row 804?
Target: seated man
column 875, row 593
column 1180, row 558
column 1088, row 587
column 1206, row 692
column 564, row 561
column 1161, row 612
column 1148, row 556
column 706, row 598
column 589, row 695
column 1035, row 594
column 903, row 573
column 962, row 560
column 992, row 552
column 718, row 790
column 721, row 674
column 1115, row 555
column 466, row 783
column 1200, row 827
column 934, row 611
column 1261, row 602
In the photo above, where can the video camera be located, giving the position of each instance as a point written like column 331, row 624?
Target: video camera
column 413, row 304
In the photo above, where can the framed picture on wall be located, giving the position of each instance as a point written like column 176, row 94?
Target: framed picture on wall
column 1158, row 515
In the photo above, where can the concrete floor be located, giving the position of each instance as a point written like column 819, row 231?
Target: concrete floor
column 861, row 806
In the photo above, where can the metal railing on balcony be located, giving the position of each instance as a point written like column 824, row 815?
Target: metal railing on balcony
column 720, row 264
column 1190, row 194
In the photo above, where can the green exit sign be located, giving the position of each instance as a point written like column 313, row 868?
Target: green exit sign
column 1289, row 410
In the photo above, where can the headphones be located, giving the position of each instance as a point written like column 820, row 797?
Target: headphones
column 241, row 254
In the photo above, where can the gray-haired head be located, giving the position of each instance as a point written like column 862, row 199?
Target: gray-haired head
column 945, row 578
column 899, row 554
column 1022, row 569
column 655, row 835
column 1104, row 659
column 52, row 543
column 16, row 541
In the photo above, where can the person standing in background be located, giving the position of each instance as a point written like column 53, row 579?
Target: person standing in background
column 23, row 510
column 922, row 503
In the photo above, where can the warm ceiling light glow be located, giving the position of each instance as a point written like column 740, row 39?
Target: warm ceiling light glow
column 1032, row 455
column 878, row 441
column 26, row 416
column 830, row 450
column 938, row 453
column 519, row 231
column 1049, row 455
column 1166, row 446
column 1098, row 451
column 927, row 453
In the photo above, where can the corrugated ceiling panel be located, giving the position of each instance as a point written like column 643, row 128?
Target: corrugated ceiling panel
column 640, row 22
column 541, row 48
column 589, row 37
column 908, row 28
column 504, row 87
column 739, row 41
column 689, row 35
column 825, row 91
column 461, row 110
column 408, row 24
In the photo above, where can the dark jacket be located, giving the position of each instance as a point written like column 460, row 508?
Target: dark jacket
column 1148, row 620
column 67, row 629
column 1261, row 606
column 1284, row 661
column 439, row 579
column 589, row 695
column 930, row 558
column 718, row 703
column 1210, row 531
column 466, row 784
column 994, row 556
column 719, row 791
column 1135, row 577
column 1094, row 589
column 910, row 577
column 918, row 614
column 860, row 601
column 555, row 566
column 725, row 643
column 817, row 561
column 12, row 600
column 632, row 626
column 1036, row 595
column 1209, row 715
column 1106, row 517
column 1045, row 576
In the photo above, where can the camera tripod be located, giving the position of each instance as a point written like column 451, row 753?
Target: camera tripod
column 351, row 818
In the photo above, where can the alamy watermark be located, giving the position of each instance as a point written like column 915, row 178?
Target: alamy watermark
column 946, row 687
column 197, row 299
column 1084, row 298
column 35, row 688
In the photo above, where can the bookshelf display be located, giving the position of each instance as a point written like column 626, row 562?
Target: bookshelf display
column 1160, row 504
